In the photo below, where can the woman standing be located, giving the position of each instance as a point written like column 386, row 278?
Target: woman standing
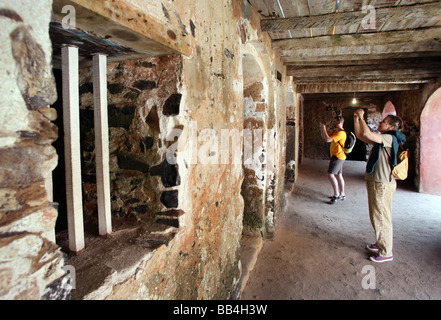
column 337, row 138
column 381, row 185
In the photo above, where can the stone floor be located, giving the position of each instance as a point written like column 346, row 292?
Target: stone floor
column 319, row 253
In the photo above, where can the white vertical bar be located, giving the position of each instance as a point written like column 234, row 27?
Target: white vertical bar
column 71, row 121
column 102, row 143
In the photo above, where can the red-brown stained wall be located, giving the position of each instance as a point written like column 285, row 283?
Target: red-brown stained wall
column 430, row 165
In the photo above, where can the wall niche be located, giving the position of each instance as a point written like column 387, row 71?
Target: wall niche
column 144, row 186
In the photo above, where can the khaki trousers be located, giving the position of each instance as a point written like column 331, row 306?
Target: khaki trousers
column 380, row 212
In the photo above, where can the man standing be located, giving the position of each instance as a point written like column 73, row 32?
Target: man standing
column 380, row 183
column 337, row 138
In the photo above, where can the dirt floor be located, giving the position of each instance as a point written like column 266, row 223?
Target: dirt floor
column 319, row 250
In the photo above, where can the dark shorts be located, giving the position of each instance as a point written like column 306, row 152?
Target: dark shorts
column 336, row 165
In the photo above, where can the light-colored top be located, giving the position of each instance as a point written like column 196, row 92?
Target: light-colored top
column 382, row 170
column 338, row 140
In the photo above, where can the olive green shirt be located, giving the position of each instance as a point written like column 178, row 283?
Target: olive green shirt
column 382, row 171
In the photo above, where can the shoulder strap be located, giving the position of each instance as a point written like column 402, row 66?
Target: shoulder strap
column 390, row 162
column 400, row 146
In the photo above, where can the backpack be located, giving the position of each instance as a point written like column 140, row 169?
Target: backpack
column 399, row 172
column 349, row 143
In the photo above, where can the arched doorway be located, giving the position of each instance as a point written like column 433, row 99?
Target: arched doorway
column 430, row 153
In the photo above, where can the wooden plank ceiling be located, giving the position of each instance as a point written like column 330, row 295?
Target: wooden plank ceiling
column 344, row 46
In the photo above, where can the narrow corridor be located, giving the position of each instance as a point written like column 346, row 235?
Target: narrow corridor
column 319, row 249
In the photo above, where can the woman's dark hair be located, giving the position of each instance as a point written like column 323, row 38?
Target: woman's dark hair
column 339, row 119
column 396, row 122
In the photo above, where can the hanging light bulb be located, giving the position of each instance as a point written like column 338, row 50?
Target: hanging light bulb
column 354, row 101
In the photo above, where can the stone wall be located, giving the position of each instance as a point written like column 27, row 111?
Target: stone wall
column 143, row 106
column 30, row 263
column 203, row 261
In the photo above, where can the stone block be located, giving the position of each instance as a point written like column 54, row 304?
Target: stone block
column 36, row 220
column 35, row 79
column 121, row 116
column 29, row 263
column 169, row 222
column 115, row 88
column 172, row 105
column 34, row 195
column 129, row 161
column 44, row 130
column 169, row 174
column 9, row 201
column 170, row 199
column 145, row 84
column 49, row 113
column 86, row 88
column 152, row 119
column 22, row 166
column 146, row 144
column 142, row 209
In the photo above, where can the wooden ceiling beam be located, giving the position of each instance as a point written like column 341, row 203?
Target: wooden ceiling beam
column 410, row 74
column 353, row 86
column 411, row 43
column 354, row 58
column 124, row 24
column 382, row 15
column 436, row 59
column 389, row 68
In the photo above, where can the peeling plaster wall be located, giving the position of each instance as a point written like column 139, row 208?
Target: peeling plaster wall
column 264, row 118
column 256, row 109
column 203, row 260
